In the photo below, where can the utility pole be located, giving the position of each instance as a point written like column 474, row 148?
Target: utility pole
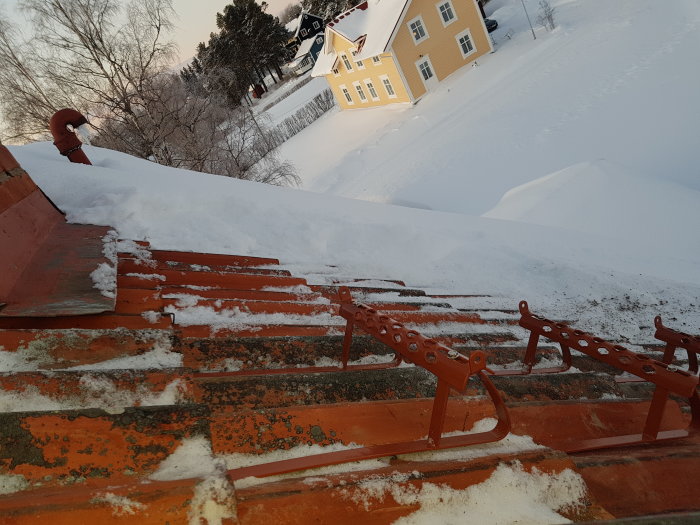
column 528, row 20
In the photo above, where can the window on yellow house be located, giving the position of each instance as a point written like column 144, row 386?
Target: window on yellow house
column 359, row 63
column 377, row 59
column 466, row 46
column 348, row 66
column 372, row 91
column 417, row 28
column 425, row 70
column 347, row 95
column 447, row 13
column 387, row 86
column 360, row 92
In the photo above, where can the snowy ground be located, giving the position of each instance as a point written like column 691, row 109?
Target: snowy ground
column 577, row 148
column 615, row 81
column 295, row 101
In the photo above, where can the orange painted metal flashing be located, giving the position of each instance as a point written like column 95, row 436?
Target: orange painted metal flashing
column 259, row 431
column 61, row 448
column 27, row 219
column 262, row 307
column 205, row 331
column 105, row 321
column 154, row 503
column 296, row 501
column 8, row 162
column 287, row 501
column 62, row 348
column 68, row 385
column 212, row 259
column 240, row 295
column 46, row 264
column 644, row 480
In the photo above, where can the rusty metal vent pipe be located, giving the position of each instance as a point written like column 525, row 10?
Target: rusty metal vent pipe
column 66, row 140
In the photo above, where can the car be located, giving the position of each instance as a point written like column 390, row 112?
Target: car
column 491, row 25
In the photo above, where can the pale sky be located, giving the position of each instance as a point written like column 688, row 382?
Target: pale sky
column 196, row 20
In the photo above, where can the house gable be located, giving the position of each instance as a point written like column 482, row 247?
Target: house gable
column 309, row 26
column 402, row 45
column 356, row 82
column 447, row 38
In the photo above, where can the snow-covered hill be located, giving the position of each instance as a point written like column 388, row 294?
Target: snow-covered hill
column 615, row 81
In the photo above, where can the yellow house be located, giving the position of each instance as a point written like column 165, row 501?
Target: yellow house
column 388, row 51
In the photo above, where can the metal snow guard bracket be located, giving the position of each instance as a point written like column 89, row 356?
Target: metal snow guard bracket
column 452, row 369
column 448, row 365
column 668, row 379
column 675, row 339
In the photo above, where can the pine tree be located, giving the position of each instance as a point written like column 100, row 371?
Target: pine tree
column 328, row 9
column 249, row 42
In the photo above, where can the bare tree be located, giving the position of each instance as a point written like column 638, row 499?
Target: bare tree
column 94, row 55
column 289, row 13
column 546, row 15
column 110, row 60
column 27, row 101
column 200, row 131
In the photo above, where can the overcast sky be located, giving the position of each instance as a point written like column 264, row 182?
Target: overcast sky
column 196, row 20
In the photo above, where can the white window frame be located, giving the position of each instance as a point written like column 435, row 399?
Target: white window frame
column 346, row 94
column 385, row 80
column 304, row 32
column 452, row 10
column 316, row 24
column 319, row 39
column 368, row 82
column 433, row 75
column 359, row 63
column 346, row 62
column 467, row 33
column 376, row 60
column 419, row 19
column 360, row 92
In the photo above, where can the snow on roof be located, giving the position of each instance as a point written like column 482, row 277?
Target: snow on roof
column 305, row 47
column 293, row 26
column 325, row 62
column 374, row 19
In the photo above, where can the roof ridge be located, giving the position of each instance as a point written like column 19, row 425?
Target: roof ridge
column 362, row 7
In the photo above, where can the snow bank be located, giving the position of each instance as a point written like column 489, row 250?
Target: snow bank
column 592, row 89
column 510, row 495
column 603, row 281
column 192, row 459
column 589, row 90
column 605, row 198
